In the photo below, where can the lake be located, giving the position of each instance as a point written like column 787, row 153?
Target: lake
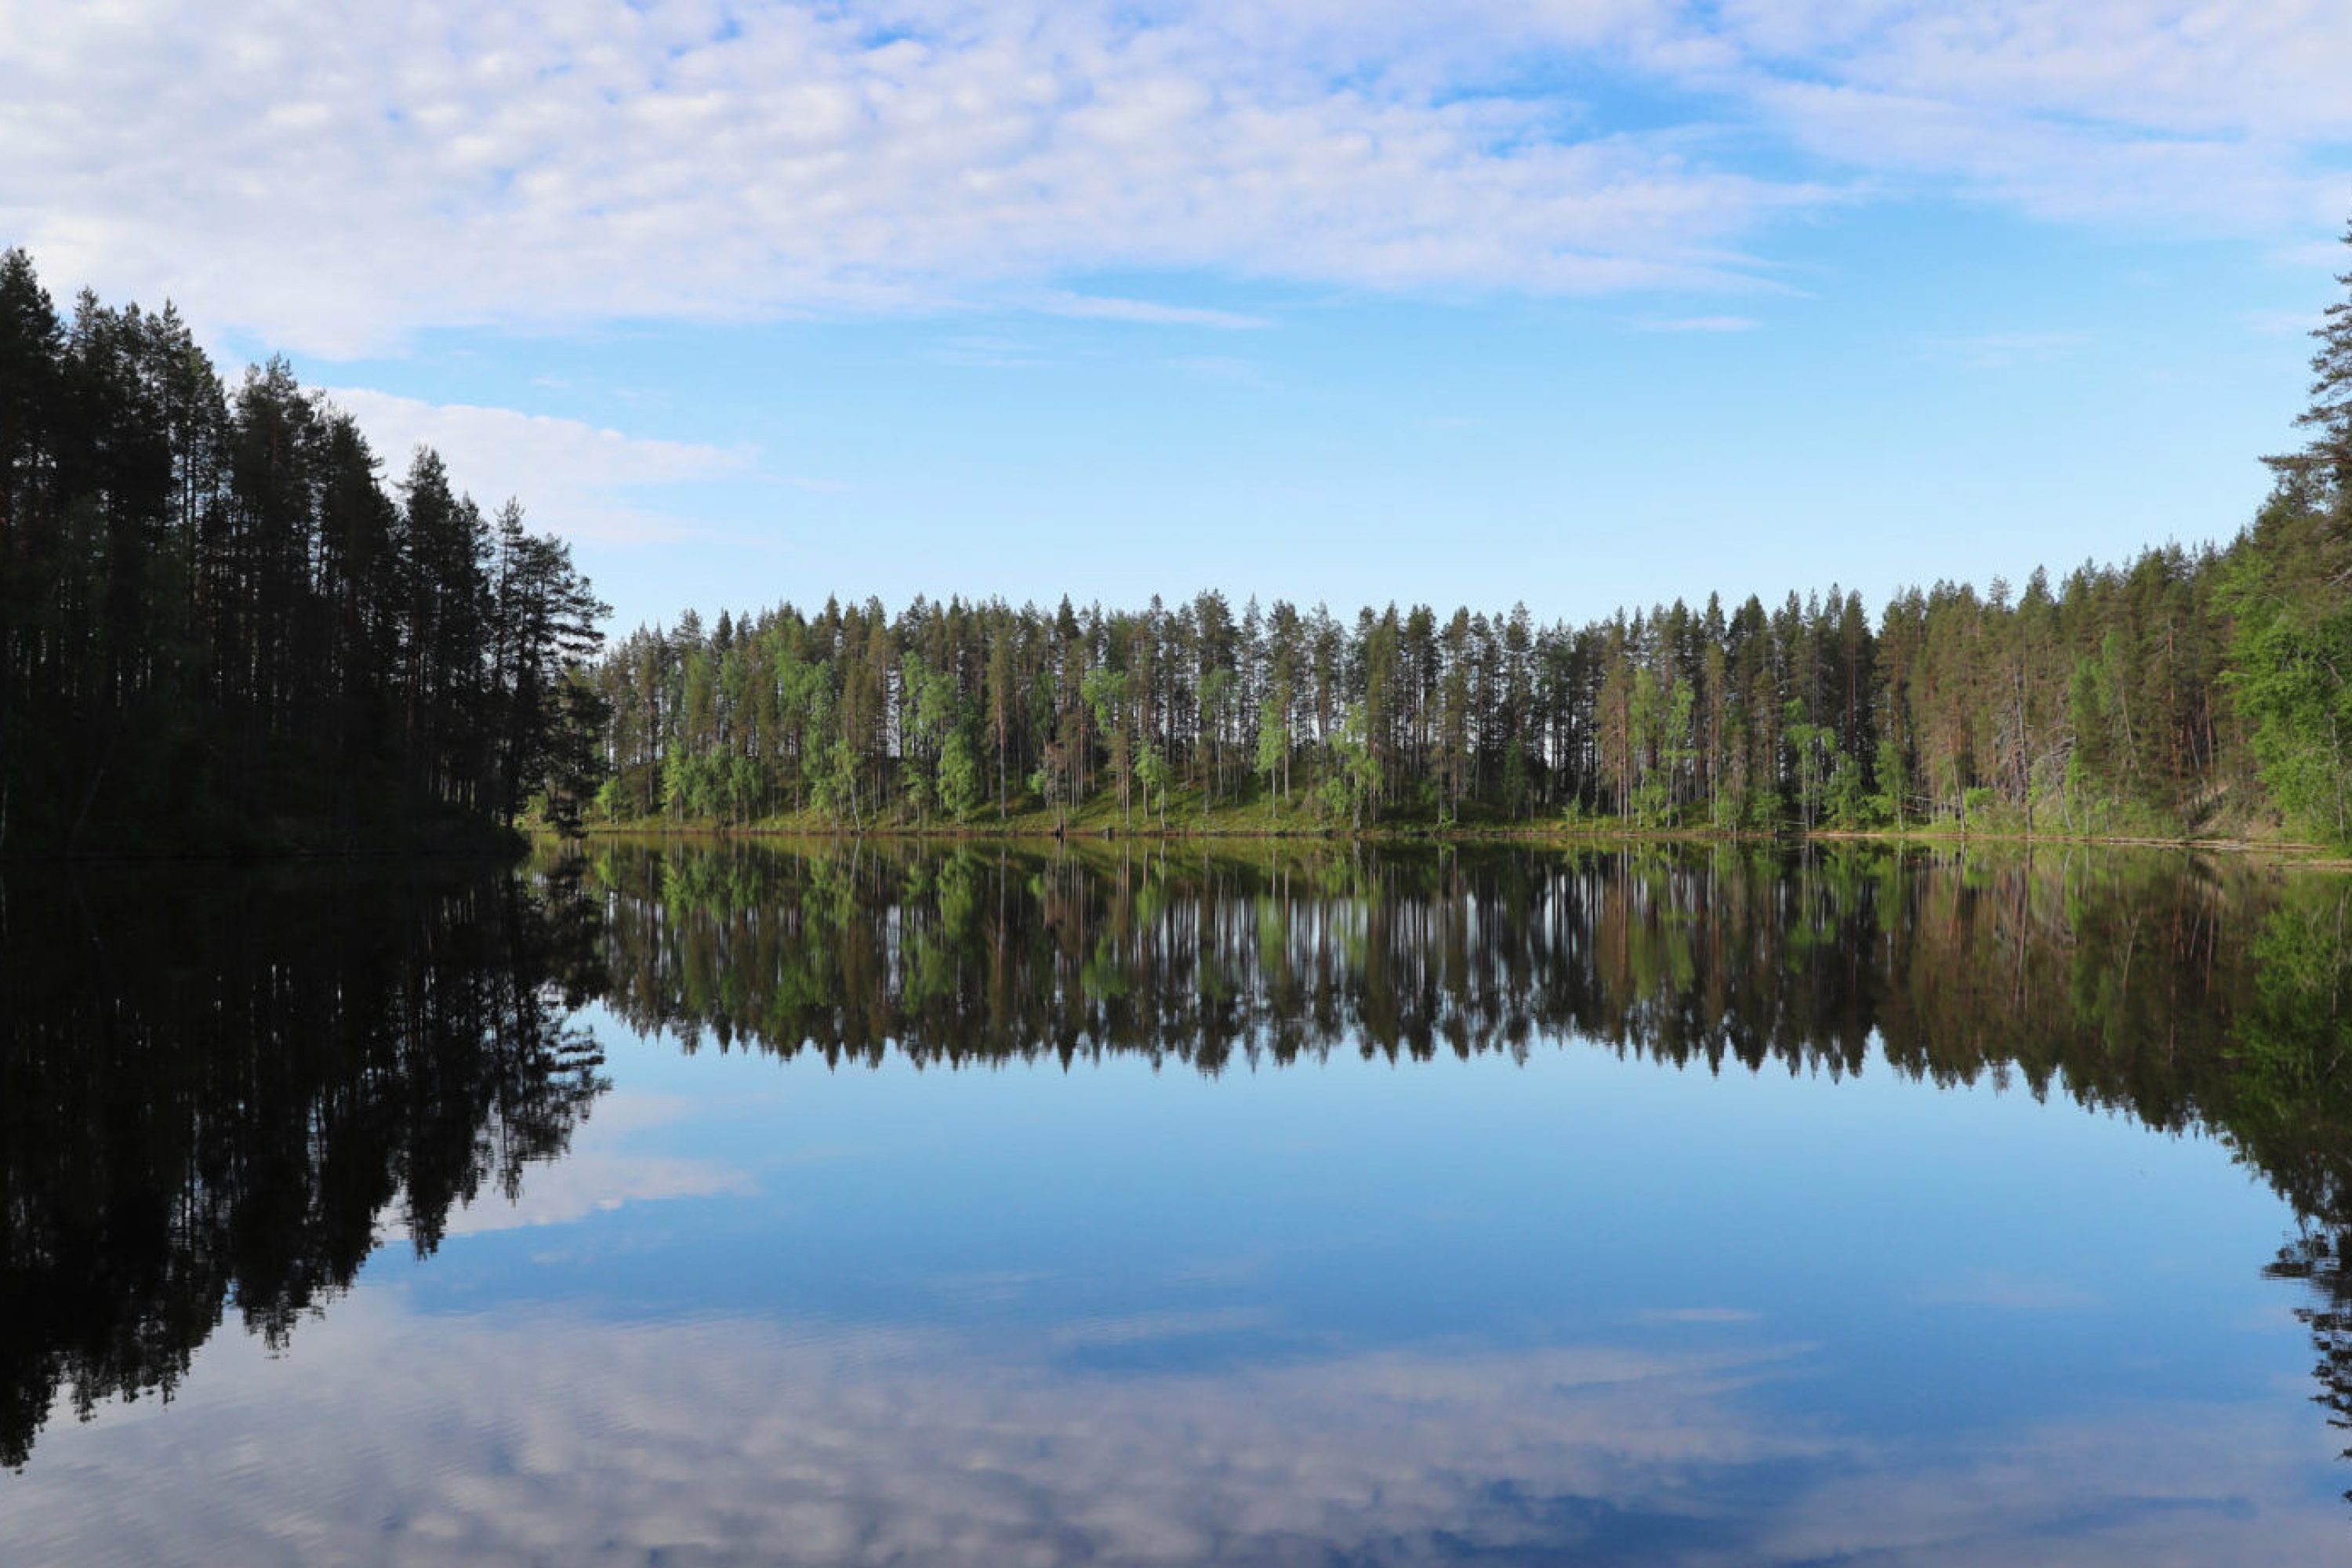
column 841, row 1204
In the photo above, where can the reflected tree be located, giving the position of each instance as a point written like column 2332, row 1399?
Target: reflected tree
column 2197, row 998
column 221, row 1093
column 225, row 1096
column 2293, row 1115
column 2115, row 979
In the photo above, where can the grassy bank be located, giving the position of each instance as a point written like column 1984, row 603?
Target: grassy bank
column 1188, row 816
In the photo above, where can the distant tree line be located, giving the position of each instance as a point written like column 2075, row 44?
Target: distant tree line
column 2095, row 705
column 217, row 623
column 2190, row 690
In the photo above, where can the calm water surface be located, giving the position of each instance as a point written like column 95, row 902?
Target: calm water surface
column 755, row 1205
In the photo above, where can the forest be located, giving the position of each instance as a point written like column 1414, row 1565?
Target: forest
column 2189, row 692
column 220, row 626
column 2095, row 706
column 219, row 629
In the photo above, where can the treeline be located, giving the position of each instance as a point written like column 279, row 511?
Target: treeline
column 218, row 624
column 2099, row 704
column 2191, row 690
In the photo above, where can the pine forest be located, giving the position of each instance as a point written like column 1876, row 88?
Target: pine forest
column 220, row 625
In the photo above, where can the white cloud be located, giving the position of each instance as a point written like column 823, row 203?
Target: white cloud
column 2182, row 112
column 1106, row 308
column 571, row 477
column 2266, row 69
column 335, row 177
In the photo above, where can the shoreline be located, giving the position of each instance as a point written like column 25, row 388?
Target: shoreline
column 2298, row 853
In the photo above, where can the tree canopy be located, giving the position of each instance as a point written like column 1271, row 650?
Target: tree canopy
column 220, row 626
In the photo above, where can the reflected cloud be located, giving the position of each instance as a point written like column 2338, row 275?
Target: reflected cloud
column 736, row 1441
column 988, row 1287
column 1080, row 1433
column 599, row 1175
column 1147, row 1328
column 2007, row 1292
column 2151, row 1486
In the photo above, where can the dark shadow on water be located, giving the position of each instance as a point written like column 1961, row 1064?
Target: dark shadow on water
column 215, row 1091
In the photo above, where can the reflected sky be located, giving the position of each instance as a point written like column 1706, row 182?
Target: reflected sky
column 739, row 1439
column 1568, row 1305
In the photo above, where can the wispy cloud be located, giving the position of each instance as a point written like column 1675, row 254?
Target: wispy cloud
column 1698, row 1315
column 990, row 351
column 2007, row 1292
column 336, row 180
column 2000, row 351
column 531, row 1435
column 2190, row 114
column 2281, row 323
column 575, row 478
column 1104, row 308
column 1149, row 1328
column 1702, row 324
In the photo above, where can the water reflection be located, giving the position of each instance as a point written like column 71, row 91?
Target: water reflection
column 232, row 1096
column 731, row 1442
column 2124, row 978
column 2186, row 993
column 216, row 1092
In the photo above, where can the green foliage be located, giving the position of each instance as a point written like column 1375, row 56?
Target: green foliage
column 1519, row 779
column 2182, row 693
column 2100, row 702
column 2293, row 654
column 1849, row 802
column 1153, row 774
column 1351, row 791
column 699, row 786
column 1273, row 743
column 962, row 785
column 832, row 786
column 1891, row 804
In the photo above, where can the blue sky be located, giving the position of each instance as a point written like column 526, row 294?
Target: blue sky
column 1583, row 303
